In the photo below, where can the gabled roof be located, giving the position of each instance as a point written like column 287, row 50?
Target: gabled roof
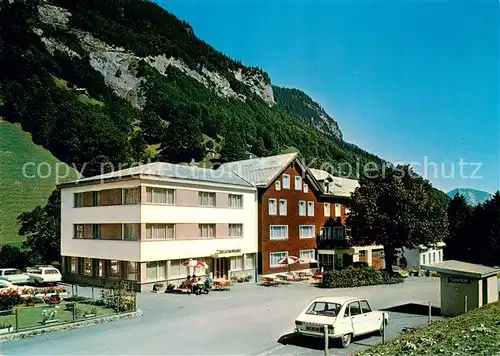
column 260, row 171
column 338, row 186
column 169, row 170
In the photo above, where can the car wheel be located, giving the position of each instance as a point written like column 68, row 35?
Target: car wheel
column 346, row 340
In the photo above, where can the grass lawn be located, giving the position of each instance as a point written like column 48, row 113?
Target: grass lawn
column 474, row 333
column 22, row 192
column 31, row 317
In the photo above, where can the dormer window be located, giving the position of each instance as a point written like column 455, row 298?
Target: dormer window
column 327, row 187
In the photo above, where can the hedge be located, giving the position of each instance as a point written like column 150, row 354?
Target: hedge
column 357, row 277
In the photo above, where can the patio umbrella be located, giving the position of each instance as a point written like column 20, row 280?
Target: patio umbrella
column 308, row 260
column 195, row 264
column 289, row 260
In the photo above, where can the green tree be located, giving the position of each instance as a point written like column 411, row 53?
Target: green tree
column 42, row 229
column 459, row 219
column 486, row 229
column 393, row 207
column 13, row 257
column 183, row 141
column 234, row 147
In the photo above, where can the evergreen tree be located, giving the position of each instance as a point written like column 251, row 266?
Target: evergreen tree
column 458, row 244
column 393, row 207
column 234, row 147
column 486, row 230
column 183, row 141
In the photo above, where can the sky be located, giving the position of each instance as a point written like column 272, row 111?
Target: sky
column 413, row 82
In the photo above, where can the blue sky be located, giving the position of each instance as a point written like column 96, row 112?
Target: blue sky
column 405, row 80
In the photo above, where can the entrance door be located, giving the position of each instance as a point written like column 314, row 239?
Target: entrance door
column 221, row 267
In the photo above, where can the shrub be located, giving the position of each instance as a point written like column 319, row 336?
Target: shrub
column 357, row 277
column 121, row 297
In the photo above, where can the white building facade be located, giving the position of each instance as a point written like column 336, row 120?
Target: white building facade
column 424, row 255
column 141, row 224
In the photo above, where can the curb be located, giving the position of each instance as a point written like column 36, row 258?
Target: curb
column 69, row 326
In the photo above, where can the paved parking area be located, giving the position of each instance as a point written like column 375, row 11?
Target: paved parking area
column 247, row 320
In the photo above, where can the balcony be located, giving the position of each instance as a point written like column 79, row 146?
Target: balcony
column 330, row 244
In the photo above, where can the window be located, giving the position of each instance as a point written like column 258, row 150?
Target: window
column 79, row 231
column 207, row 230
column 206, row 199
column 96, row 198
column 72, row 264
column 434, row 257
column 86, row 266
column 324, row 233
column 277, row 185
column 131, row 232
column 327, row 209
column 307, row 254
column 306, row 188
column 272, row 206
column 235, row 230
column 160, row 195
column 310, row 208
column 365, row 308
column 160, row 231
column 96, row 231
column 302, row 208
column 278, row 232
column 298, row 183
column 249, row 262
column 286, row 181
column 324, row 309
column 354, row 308
column 131, row 270
column 439, row 256
column 177, row 269
column 114, row 269
column 237, row 263
column 275, row 257
column 283, row 207
column 235, row 201
column 338, row 233
column 156, row 270
column 131, row 195
column 98, row 268
column 423, row 259
column 78, row 200
column 306, row 231
column 337, row 210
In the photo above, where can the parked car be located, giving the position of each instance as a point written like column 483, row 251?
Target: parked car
column 6, row 285
column 44, row 275
column 13, row 275
column 402, row 272
column 345, row 317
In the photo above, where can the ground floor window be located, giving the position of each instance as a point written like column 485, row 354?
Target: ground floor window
column 440, row 258
column 307, row 254
column 362, row 256
column 113, row 269
column 237, row 263
column 177, row 269
column 86, row 266
column 156, row 270
column 73, row 264
column 131, row 268
column 326, row 261
column 275, row 257
column 98, row 268
column 249, row 262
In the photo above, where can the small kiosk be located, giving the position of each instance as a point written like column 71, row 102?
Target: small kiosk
column 465, row 286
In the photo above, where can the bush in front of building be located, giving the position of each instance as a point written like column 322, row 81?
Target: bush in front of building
column 357, row 277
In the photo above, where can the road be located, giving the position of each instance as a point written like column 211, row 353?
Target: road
column 248, row 320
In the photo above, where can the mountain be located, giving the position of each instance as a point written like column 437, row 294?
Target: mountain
column 472, row 196
column 100, row 85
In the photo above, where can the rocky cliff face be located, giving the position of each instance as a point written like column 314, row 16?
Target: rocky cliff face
column 115, row 64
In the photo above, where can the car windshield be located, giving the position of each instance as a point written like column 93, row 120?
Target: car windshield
column 324, row 309
column 12, row 272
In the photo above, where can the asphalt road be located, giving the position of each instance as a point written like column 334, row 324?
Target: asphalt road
column 248, row 320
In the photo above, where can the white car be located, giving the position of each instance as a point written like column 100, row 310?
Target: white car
column 44, row 275
column 13, row 275
column 346, row 317
column 6, row 285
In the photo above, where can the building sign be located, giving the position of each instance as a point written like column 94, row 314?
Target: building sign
column 220, row 252
column 459, row 280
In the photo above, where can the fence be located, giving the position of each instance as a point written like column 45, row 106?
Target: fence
column 52, row 310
